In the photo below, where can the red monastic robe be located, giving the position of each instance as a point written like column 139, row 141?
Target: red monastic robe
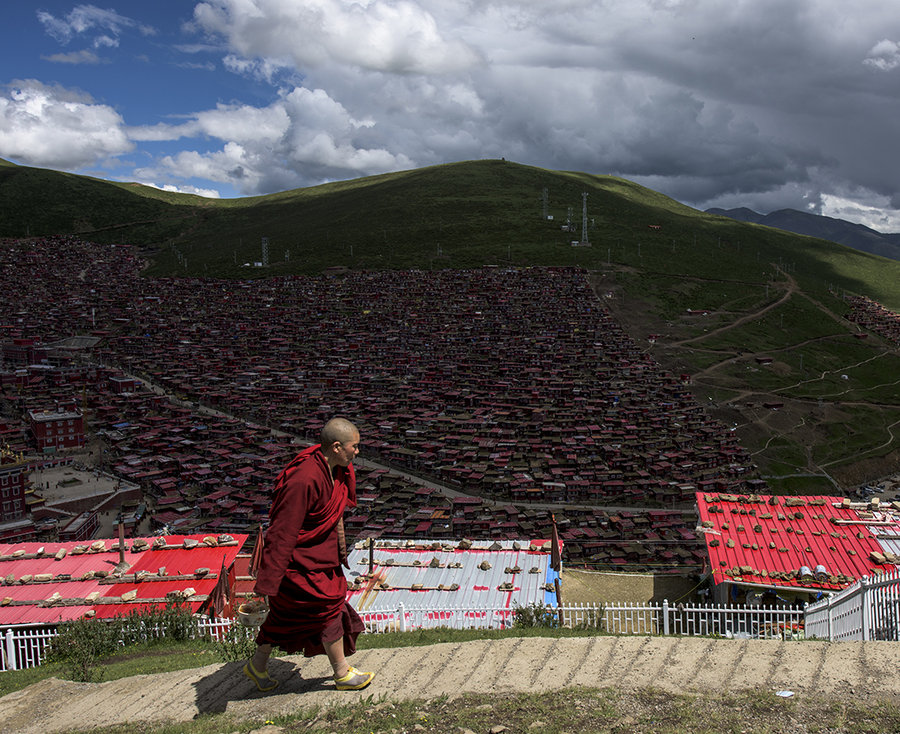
column 300, row 570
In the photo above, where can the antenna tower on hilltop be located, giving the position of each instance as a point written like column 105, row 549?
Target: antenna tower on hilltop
column 584, row 220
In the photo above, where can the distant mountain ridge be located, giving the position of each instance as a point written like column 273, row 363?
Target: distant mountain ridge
column 841, row 231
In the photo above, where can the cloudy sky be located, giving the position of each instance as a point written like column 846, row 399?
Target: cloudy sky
column 760, row 103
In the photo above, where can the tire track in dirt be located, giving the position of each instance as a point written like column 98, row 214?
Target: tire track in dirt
column 820, row 668
column 445, row 662
column 589, row 652
column 741, row 652
column 779, row 655
column 610, row 657
column 701, row 665
column 668, row 671
column 538, row 671
column 629, row 664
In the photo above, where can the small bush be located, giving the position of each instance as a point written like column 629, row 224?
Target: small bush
column 535, row 615
column 175, row 622
column 82, row 644
column 238, row 643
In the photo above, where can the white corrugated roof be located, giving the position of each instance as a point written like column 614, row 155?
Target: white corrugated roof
column 887, row 532
column 450, row 577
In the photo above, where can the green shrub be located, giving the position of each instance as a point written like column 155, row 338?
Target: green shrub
column 175, row 622
column 238, row 643
column 82, row 644
column 535, row 615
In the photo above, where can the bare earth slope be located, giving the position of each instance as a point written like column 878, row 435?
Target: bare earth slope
column 485, row 666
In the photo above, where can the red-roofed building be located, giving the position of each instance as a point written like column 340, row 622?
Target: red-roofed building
column 13, row 473
column 793, row 547
column 57, row 582
column 57, row 429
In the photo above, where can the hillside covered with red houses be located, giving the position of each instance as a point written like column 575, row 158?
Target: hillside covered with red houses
column 514, row 387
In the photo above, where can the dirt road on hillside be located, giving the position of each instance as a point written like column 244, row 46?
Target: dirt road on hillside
column 514, row 665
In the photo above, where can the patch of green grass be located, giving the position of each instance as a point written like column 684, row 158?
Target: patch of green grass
column 800, row 485
column 675, row 295
column 787, row 325
column 783, row 455
column 861, row 435
column 159, row 656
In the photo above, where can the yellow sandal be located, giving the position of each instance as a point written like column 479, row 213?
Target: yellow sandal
column 264, row 682
column 354, row 680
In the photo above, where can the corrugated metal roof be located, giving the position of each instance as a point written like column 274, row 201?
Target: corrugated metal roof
column 75, row 575
column 887, row 531
column 451, row 577
column 767, row 540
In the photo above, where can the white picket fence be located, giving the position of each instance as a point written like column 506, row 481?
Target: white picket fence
column 660, row 618
column 24, row 647
column 867, row 610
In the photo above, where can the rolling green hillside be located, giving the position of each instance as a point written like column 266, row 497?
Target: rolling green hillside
column 455, row 215
column 657, row 263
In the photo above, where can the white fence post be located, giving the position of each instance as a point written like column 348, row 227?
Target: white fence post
column 665, row 616
column 10, row 651
column 402, row 612
column 865, row 590
column 830, row 608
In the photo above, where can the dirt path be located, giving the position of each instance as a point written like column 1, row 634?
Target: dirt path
column 485, row 666
column 789, row 291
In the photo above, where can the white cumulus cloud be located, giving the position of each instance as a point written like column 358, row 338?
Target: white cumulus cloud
column 884, row 55
column 396, row 36
column 43, row 125
column 302, row 138
column 185, row 189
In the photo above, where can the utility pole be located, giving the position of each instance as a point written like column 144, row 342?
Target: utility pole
column 584, row 221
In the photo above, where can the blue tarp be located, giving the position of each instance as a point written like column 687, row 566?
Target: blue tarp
column 550, row 596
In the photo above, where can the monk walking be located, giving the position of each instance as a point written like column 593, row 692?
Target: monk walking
column 300, row 572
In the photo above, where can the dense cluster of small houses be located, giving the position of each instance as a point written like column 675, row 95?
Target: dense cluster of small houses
column 512, row 385
column 874, row 317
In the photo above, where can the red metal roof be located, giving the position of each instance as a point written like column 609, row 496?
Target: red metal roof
column 73, row 577
column 767, row 540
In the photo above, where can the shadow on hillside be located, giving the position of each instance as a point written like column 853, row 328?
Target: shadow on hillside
column 228, row 683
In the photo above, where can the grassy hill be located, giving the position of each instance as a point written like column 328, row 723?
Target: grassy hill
column 455, row 215
column 716, row 292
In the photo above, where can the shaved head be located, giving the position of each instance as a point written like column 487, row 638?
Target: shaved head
column 338, row 430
